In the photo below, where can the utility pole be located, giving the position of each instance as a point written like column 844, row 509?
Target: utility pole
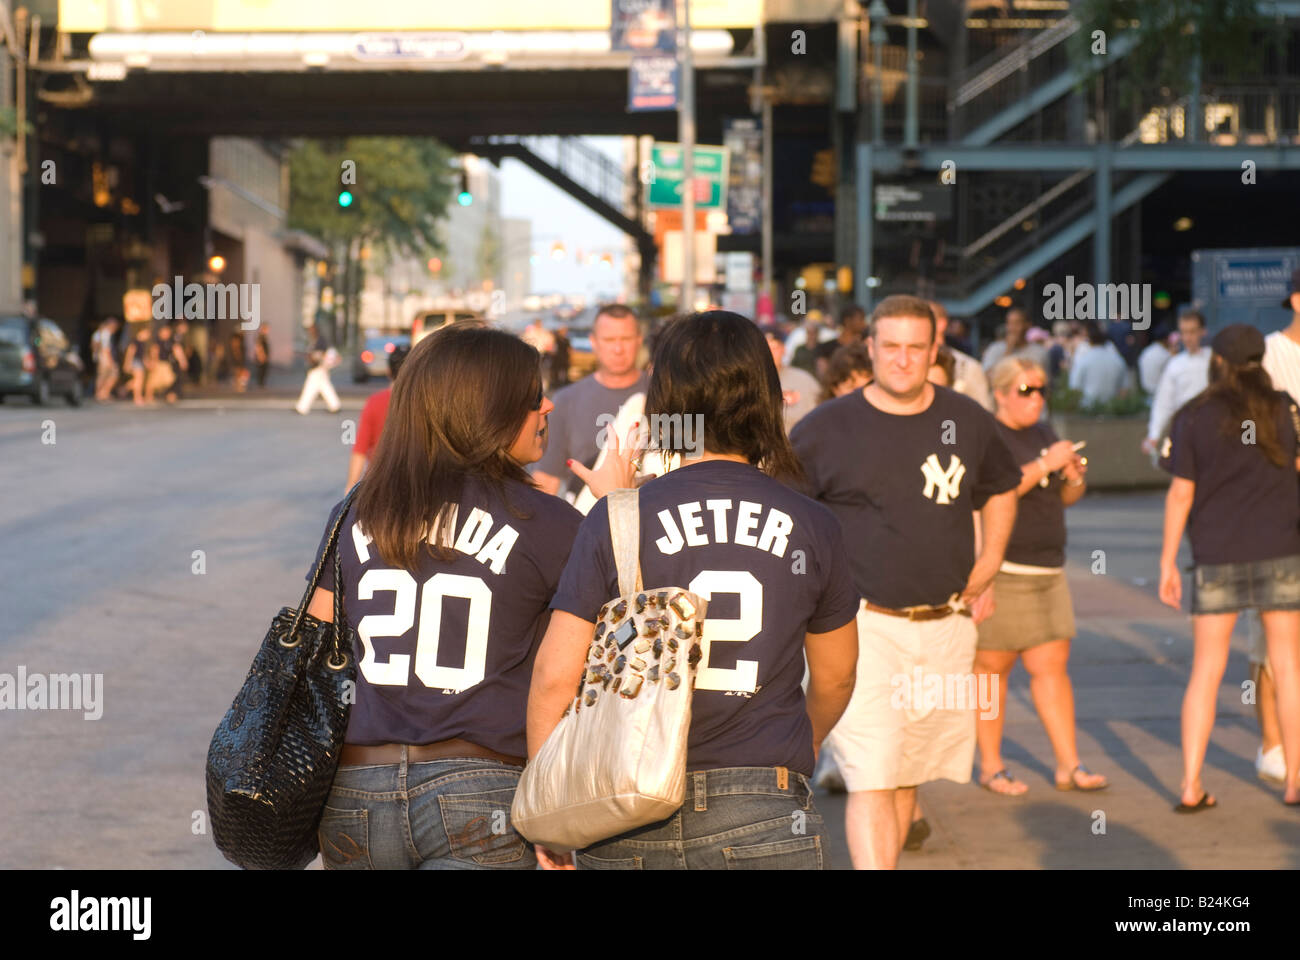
column 686, row 136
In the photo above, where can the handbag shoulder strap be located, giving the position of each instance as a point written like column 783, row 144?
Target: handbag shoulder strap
column 625, row 532
column 328, row 546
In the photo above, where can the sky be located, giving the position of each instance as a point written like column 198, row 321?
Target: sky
column 557, row 216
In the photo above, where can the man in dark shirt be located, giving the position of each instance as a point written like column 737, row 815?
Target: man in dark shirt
column 903, row 464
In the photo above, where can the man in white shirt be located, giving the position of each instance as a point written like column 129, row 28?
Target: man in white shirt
column 1015, row 343
column 799, row 336
column 1282, row 364
column 1099, row 372
column 1185, row 375
column 968, row 376
column 1155, row 356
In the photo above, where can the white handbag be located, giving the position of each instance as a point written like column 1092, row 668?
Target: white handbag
column 617, row 758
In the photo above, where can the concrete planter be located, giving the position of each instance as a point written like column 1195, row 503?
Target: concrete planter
column 1114, row 451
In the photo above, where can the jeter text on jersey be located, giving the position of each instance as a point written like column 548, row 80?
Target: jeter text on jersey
column 742, row 524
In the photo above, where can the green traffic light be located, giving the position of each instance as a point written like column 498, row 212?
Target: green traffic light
column 465, row 198
column 345, row 198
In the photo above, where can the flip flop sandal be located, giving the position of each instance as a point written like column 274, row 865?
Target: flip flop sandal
column 1073, row 784
column 1198, row 806
column 1001, row 775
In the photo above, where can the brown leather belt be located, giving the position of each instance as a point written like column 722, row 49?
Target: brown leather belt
column 919, row 613
column 356, row 755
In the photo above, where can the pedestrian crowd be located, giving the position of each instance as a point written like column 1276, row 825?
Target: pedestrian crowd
column 148, row 362
column 866, row 509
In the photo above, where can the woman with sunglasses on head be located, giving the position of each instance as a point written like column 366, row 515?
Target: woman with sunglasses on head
column 450, row 556
column 1033, row 618
column 771, row 563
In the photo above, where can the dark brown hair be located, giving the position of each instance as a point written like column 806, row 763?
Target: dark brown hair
column 844, row 362
column 902, row 305
column 458, row 404
column 1247, row 391
column 718, row 365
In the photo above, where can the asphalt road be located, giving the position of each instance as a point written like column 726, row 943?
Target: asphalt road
column 98, row 576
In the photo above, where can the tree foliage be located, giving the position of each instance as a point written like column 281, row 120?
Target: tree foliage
column 1172, row 36
column 401, row 190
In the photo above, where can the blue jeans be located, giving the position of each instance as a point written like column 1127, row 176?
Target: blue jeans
column 438, row 815
column 736, row 818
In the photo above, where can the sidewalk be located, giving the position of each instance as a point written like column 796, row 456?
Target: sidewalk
column 1129, row 666
column 283, row 386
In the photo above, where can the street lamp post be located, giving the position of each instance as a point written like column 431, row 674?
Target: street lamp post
column 686, row 135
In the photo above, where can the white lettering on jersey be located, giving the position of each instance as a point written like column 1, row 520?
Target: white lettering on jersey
column 692, row 523
column 746, row 521
column 719, row 508
column 774, row 538
column 475, row 532
column 498, row 548
column 672, row 540
column 946, row 483
column 359, row 540
column 775, row 532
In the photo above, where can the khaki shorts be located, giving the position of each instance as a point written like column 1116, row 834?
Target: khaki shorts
column 893, row 734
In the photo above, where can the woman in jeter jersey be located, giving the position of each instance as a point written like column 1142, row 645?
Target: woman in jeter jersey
column 772, row 565
column 450, row 556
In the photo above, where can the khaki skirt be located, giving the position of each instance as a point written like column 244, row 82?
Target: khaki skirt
column 1028, row 609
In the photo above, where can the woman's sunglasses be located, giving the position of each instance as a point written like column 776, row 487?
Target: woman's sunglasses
column 1025, row 390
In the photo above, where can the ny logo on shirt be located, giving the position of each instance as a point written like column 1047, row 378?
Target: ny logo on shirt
column 941, row 485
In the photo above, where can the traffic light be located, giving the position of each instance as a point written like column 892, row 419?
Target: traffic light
column 345, row 198
column 823, row 169
column 347, row 190
column 465, row 197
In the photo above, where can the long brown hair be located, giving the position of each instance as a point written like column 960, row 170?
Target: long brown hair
column 1247, row 391
column 457, row 406
column 717, row 365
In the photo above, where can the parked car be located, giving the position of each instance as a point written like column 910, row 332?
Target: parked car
column 38, row 361
column 429, row 321
column 582, row 360
column 372, row 360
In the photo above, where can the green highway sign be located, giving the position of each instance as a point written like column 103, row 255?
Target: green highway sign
column 665, row 176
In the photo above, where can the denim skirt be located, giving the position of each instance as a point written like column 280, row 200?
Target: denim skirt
column 1260, row 584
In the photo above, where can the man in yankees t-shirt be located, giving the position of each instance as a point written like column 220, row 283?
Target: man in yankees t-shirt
column 903, row 464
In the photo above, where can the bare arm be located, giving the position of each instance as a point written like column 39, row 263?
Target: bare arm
column 547, row 483
column 997, row 517
column 832, row 671
column 1178, row 504
column 556, row 673
column 322, row 605
column 356, row 466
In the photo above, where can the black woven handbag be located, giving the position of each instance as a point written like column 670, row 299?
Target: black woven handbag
column 273, row 757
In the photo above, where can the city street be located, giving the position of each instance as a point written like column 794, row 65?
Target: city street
column 102, row 575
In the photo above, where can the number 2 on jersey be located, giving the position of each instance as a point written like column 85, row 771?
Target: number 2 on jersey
column 402, row 585
column 744, row 676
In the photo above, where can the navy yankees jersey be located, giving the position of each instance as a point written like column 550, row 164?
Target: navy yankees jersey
column 770, row 563
column 448, row 653
column 903, row 488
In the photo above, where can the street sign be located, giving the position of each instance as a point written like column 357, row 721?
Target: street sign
column 410, row 46
column 652, row 83
column 743, row 139
column 711, row 168
column 923, row 202
column 643, row 25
